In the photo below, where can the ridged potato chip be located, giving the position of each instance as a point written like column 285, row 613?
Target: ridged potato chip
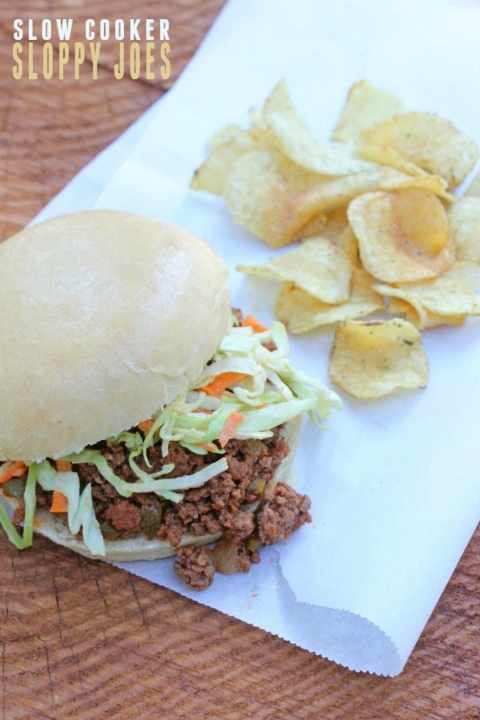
column 336, row 222
column 315, row 227
column 445, row 300
column 292, row 138
column 225, row 135
column 267, row 193
column 276, row 199
column 403, row 235
column 421, row 318
column 423, row 221
column 319, row 266
column 300, row 312
column 411, row 308
column 390, row 157
column 430, row 183
column 373, row 359
column 378, row 227
column 227, row 146
column 336, row 193
column 330, row 225
column 429, row 141
column 464, row 221
column 465, row 272
column 397, row 306
column 365, row 106
column 474, row 187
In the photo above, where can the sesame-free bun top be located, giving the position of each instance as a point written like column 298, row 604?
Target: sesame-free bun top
column 104, row 317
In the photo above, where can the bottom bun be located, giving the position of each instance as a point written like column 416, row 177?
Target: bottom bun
column 137, row 548
column 54, row 527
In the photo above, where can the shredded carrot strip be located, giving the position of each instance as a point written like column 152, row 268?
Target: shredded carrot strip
column 59, row 502
column 63, row 465
column 221, row 383
column 209, row 447
column 16, row 469
column 232, row 423
column 256, row 325
column 145, row 425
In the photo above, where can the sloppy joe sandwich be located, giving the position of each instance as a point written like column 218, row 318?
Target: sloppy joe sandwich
column 140, row 416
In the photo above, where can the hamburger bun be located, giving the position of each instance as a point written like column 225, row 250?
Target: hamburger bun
column 106, row 316
column 134, row 402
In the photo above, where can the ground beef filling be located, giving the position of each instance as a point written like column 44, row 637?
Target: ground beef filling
column 236, row 504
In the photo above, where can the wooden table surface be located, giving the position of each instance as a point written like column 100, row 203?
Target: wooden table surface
column 83, row 639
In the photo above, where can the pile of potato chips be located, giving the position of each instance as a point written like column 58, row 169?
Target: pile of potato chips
column 375, row 221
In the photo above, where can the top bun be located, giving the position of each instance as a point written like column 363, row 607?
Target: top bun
column 105, row 317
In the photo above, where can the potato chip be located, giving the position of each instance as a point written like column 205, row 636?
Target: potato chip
column 228, row 145
column 315, row 227
column 366, row 105
column 334, row 193
column 464, row 221
column 300, row 312
column 422, row 219
column 431, row 183
column 267, row 193
column 276, row 199
column 474, row 187
column 336, row 222
column 422, row 318
column 468, row 275
column 445, row 300
column 402, row 235
column 412, row 309
column 318, row 266
column 465, row 272
column 429, row 141
column 390, row 157
column 331, row 225
column 294, row 140
column 226, row 134
column 372, row 359
column 397, row 306
column 436, row 320
column 258, row 124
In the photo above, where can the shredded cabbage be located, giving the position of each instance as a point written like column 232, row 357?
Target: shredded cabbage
column 29, row 496
column 81, row 515
column 271, row 393
column 149, row 483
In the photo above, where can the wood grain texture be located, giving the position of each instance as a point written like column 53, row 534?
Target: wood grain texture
column 83, row 639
